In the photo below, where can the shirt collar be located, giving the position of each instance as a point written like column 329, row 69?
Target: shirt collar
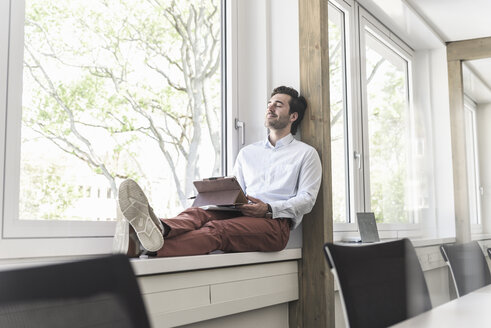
column 280, row 143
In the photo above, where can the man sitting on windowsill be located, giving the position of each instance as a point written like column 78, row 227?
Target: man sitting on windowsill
column 281, row 177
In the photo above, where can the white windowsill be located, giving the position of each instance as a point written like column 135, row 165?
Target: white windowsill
column 149, row 266
column 480, row 236
column 432, row 241
column 416, row 242
column 446, row 240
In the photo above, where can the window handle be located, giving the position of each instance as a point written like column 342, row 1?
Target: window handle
column 357, row 156
column 240, row 125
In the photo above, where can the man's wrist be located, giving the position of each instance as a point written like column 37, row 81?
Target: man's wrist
column 269, row 212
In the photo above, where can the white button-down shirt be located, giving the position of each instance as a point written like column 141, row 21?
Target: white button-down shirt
column 287, row 176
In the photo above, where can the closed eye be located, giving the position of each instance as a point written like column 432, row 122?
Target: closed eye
column 276, row 103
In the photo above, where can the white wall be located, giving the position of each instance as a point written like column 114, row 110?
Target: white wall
column 270, row 317
column 438, row 285
column 284, row 44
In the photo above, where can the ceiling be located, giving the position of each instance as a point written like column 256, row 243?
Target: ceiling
column 429, row 24
column 475, row 79
column 454, row 20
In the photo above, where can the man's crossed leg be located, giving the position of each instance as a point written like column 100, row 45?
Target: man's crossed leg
column 195, row 231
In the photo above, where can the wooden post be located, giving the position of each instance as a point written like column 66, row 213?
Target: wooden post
column 315, row 307
column 459, row 157
column 457, row 52
column 469, row 49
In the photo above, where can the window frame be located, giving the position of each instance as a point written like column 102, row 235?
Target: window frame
column 470, row 105
column 351, row 102
column 34, row 238
column 358, row 120
column 400, row 49
column 4, row 40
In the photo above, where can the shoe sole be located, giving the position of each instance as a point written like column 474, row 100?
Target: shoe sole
column 121, row 236
column 134, row 206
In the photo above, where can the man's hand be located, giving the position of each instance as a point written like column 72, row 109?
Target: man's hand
column 257, row 208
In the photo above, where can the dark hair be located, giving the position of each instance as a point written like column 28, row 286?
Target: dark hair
column 297, row 104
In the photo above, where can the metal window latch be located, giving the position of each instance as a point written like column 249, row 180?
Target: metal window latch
column 357, row 156
column 240, row 125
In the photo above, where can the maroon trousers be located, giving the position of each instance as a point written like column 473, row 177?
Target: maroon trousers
column 196, row 231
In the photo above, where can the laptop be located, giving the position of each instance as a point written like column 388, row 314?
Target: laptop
column 367, row 227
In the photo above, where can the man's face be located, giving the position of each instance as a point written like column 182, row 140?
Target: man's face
column 277, row 114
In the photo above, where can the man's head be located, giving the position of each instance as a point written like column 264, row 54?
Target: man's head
column 285, row 108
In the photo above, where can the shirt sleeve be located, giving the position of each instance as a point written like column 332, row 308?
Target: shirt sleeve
column 308, row 187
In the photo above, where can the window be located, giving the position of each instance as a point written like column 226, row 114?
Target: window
column 378, row 138
column 338, row 68
column 101, row 91
column 387, row 126
column 472, row 159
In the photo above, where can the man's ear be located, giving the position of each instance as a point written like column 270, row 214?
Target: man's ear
column 293, row 117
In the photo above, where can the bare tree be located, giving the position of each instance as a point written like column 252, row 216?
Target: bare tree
column 197, row 37
column 177, row 42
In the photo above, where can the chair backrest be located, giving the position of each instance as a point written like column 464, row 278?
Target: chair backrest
column 380, row 284
column 101, row 292
column 467, row 265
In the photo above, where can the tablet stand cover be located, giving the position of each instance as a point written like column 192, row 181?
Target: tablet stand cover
column 367, row 227
column 224, row 191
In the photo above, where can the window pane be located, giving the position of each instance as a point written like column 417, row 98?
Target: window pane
column 115, row 89
column 388, row 132
column 337, row 85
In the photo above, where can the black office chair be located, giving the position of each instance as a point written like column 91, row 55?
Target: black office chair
column 467, row 265
column 380, row 284
column 100, row 292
